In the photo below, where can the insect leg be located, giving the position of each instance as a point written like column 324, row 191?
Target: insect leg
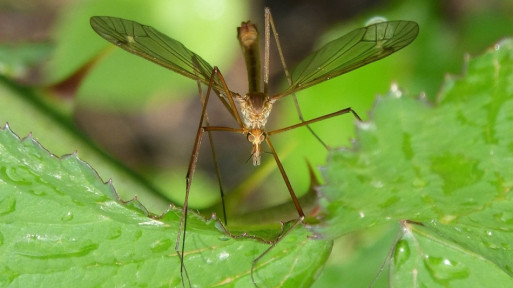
column 327, row 116
column 214, row 156
column 273, row 244
column 194, row 158
column 270, row 22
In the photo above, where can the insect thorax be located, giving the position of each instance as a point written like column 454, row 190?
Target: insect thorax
column 255, row 108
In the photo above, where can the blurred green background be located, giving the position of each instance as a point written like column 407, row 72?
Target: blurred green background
column 146, row 116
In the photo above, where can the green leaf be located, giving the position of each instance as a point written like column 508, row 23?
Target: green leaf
column 26, row 112
column 437, row 262
column 448, row 167
column 61, row 225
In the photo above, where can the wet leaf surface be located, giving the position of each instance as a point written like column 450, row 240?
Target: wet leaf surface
column 446, row 166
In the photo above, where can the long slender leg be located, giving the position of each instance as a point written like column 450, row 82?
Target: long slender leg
column 285, row 178
column 214, row 157
column 340, row 112
column 192, row 167
column 296, row 203
column 273, row 244
column 287, row 182
column 270, row 21
column 267, row 41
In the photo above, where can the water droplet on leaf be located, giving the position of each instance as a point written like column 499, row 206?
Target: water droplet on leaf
column 402, row 253
column 67, row 217
column 445, row 270
column 161, row 245
column 7, row 204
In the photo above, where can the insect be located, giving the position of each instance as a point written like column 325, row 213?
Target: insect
column 252, row 109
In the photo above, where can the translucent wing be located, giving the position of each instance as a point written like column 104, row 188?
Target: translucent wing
column 149, row 43
column 353, row 50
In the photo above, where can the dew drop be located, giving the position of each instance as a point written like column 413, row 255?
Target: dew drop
column 224, row 255
column 37, row 192
column 395, row 91
column 448, row 218
column 223, row 238
column 402, row 253
column 137, row 234
column 418, row 183
column 506, row 219
column 493, row 245
column 19, row 175
column 509, row 269
column 37, row 152
column 390, row 201
column 114, row 233
column 44, row 246
column 67, row 217
column 377, row 184
column 7, row 204
column 161, row 245
column 445, row 270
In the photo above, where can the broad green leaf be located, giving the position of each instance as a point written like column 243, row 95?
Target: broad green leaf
column 447, row 166
column 62, row 226
column 24, row 109
column 424, row 258
column 357, row 257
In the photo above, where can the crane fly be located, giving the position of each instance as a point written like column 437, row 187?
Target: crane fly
column 251, row 110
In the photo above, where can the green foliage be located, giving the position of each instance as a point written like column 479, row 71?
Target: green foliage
column 60, row 137
column 60, row 225
column 446, row 169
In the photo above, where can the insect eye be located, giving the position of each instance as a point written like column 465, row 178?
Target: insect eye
column 251, row 137
column 262, row 138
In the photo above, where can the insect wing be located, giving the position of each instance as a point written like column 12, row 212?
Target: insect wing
column 149, row 43
column 353, row 50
